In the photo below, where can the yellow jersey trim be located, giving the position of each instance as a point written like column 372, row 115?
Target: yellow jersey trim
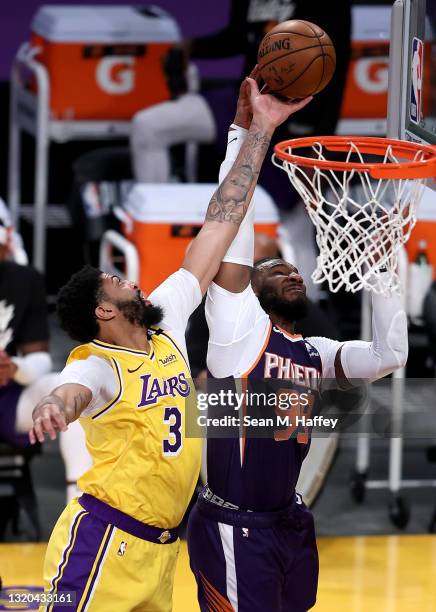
column 121, row 349
column 168, row 337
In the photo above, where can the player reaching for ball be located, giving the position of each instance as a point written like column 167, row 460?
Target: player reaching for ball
column 251, row 539
column 115, row 548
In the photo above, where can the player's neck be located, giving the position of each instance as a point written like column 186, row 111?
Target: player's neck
column 285, row 324
column 129, row 336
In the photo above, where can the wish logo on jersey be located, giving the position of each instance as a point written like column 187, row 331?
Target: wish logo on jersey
column 154, row 388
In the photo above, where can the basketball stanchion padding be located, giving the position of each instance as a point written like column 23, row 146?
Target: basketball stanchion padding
column 363, row 207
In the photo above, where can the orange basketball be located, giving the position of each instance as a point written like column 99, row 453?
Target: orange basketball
column 296, row 59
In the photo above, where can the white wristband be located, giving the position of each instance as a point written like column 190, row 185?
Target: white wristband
column 31, row 367
column 242, row 248
column 235, row 140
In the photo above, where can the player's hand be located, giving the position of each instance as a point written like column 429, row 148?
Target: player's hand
column 244, row 112
column 48, row 417
column 7, row 368
column 269, row 110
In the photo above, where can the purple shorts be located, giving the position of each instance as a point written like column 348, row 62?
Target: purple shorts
column 9, row 396
column 250, row 561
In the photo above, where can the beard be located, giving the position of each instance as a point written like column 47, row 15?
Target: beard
column 138, row 313
column 289, row 310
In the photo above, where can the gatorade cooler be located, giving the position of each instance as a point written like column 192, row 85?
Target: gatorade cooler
column 366, row 88
column 164, row 218
column 104, row 62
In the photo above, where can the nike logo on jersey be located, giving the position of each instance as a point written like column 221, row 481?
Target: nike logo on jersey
column 136, row 369
column 232, row 140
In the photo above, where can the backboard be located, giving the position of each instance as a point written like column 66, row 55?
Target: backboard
column 412, row 72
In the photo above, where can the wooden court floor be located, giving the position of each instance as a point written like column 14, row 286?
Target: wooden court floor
column 358, row 574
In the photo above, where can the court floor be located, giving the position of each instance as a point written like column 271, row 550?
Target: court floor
column 376, row 573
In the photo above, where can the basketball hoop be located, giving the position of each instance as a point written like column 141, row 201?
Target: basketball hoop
column 363, row 210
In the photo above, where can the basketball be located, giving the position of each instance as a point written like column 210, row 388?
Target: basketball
column 296, row 59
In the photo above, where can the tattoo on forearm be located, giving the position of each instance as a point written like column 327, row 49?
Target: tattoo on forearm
column 78, row 403
column 230, row 201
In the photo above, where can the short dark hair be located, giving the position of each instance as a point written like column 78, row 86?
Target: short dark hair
column 76, row 304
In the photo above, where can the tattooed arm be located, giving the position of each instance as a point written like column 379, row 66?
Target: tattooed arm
column 54, row 412
column 230, row 202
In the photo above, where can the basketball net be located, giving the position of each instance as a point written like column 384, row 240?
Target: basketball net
column 361, row 222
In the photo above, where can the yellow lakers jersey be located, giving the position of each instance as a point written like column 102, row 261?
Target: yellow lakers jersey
column 143, row 464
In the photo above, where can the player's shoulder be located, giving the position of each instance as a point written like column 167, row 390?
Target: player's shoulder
column 180, row 279
column 89, row 353
column 325, row 347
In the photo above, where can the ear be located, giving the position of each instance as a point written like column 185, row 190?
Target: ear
column 105, row 311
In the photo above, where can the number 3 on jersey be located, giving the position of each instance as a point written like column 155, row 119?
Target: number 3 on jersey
column 173, row 444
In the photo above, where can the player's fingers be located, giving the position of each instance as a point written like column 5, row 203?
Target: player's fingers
column 48, row 425
column 37, row 428
column 59, row 420
column 255, row 74
column 32, row 437
column 265, row 89
column 254, row 89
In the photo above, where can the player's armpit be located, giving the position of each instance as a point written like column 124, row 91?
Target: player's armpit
column 233, row 277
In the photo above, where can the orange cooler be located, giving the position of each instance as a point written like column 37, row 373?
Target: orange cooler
column 104, row 62
column 366, row 88
column 165, row 218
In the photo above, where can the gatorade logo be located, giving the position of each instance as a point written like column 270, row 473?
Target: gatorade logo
column 371, row 74
column 115, row 74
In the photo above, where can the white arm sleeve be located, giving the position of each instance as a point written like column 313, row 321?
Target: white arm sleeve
column 389, row 347
column 97, row 375
column 242, row 248
column 235, row 139
column 31, row 367
column 370, row 361
column 237, row 330
column 179, row 295
column 327, row 350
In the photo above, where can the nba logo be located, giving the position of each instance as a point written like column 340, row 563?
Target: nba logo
column 122, row 549
column 416, row 81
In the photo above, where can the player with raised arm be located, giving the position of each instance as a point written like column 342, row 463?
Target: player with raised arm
column 251, row 539
column 116, row 546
